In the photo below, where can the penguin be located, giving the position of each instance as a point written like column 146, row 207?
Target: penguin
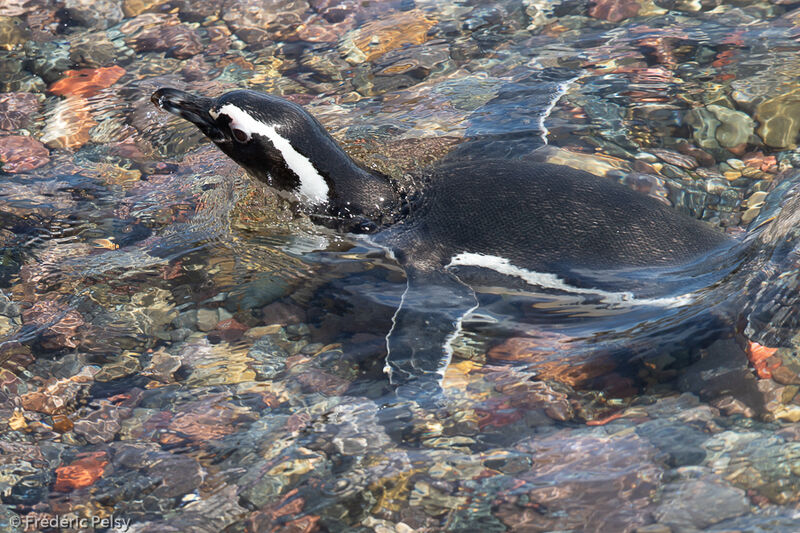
column 465, row 224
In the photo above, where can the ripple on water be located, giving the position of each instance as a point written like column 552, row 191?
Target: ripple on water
column 178, row 347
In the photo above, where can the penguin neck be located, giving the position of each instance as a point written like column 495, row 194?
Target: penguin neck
column 358, row 200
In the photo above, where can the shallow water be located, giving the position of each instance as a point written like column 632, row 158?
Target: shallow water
column 180, row 350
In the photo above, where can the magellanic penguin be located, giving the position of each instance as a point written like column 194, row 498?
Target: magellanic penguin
column 545, row 225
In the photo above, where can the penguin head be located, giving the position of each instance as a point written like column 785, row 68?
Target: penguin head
column 275, row 140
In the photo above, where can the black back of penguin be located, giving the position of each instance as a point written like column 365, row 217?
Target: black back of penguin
column 545, row 217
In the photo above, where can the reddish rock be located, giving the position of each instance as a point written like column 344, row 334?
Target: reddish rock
column 60, row 324
column 760, row 356
column 543, row 345
column 178, row 40
column 16, row 110
column 82, row 472
column 543, row 355
column 319, row 381
column 497, row 414
column 268, row 518
column 614, row 10
column 203, row 422
column 760, row 161
column 702, row 157
column 229, row 330
column 56, row 396
column 19, row 153
column 87, row 82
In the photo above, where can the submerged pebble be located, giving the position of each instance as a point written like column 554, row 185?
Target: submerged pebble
column 180, row 348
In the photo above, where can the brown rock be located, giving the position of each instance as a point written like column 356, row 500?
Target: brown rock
column 282, row 313
column 377, row 37
column 133, row 8
column 57, row 396
column 614, row 10
column 229, row 330
column 82, row 472
column 162, row 366
column 259, row 22
column 62, row 424
column 178, row 40
column 204, row 421
column 87, row 82
column 219, row 40
column 101, row 424
column 17, row 109
column 68, row 124
column 12, row 32
column 59, row 323
column 20, row 153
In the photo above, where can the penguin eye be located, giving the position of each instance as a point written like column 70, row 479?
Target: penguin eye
column 239, row 135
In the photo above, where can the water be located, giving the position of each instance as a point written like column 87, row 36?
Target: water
column 181, row 350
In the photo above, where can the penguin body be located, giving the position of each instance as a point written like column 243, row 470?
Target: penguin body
column 545, row 225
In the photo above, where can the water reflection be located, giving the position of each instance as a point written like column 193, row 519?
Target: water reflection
column 179, row 348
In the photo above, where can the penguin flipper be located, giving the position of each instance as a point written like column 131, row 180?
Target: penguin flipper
column 427, row 320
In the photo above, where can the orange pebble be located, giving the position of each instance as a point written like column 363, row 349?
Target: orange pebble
column 87, row 82
column 758, row 355
column 604, row 421
column 82, row 472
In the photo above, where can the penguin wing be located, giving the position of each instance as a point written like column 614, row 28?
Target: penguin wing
column 426, row 322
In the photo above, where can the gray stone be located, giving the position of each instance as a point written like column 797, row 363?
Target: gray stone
column 699, row 503
column 681, row 444
column 207, row 319
column 735, row 128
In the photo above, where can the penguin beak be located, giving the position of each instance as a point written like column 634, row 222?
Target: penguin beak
column 193, row 108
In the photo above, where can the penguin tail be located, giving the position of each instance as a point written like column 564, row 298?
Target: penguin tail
column 771, row 312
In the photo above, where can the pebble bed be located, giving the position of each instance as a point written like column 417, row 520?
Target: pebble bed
column 180, row 350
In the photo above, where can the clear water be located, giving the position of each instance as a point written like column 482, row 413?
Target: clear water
column 180, row 350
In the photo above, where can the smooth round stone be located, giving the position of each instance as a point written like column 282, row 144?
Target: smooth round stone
column 646, row 157
column 779, row 118
column 736, row 164
column 736, row 127
column 716, row 186
column 750, row 214
column 20, row 153
column 86, row 12
column 756, row 199
column 207, row 319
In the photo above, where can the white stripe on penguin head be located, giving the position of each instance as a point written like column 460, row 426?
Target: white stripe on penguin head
column 313, row 187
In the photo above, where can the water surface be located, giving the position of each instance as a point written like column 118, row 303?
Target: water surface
column 181, row 350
